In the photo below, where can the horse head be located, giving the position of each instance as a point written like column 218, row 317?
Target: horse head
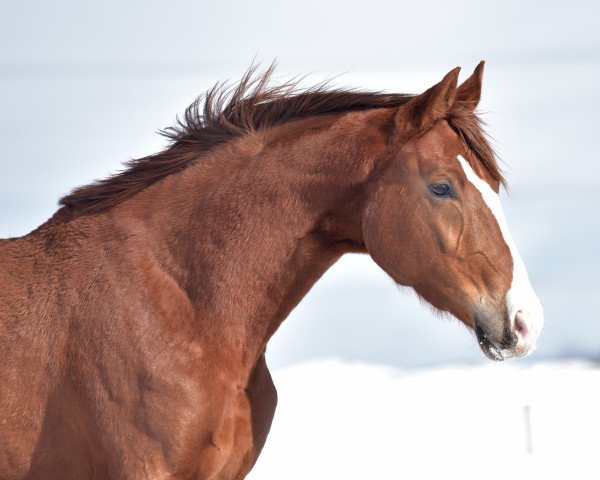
column 434, row 221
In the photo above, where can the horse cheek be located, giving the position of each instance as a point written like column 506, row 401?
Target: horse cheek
column 390, row 240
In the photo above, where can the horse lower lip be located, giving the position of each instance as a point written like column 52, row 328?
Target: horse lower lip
column 494, row 353
column 487, row 346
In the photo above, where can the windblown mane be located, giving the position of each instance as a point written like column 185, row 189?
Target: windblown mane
column 226, row 112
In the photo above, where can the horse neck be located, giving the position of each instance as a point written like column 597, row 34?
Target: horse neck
column 251, row 227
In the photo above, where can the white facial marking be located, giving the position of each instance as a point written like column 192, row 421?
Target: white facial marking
column 520, row 295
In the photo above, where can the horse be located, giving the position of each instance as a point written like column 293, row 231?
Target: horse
column 134, row 322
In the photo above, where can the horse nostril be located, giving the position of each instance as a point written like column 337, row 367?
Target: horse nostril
column 521, row 326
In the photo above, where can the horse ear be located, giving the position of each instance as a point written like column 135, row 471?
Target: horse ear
column 425, row 109
column 469, row 92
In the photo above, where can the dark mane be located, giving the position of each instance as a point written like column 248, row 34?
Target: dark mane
column 226, row 112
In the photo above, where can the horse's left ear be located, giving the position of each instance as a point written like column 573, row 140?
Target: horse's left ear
column 469, row 92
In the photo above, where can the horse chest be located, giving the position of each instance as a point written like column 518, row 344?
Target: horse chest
column 220, row 439
column 235, row 444
column 218, row 442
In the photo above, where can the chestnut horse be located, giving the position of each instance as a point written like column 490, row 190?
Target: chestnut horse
column 134, row 322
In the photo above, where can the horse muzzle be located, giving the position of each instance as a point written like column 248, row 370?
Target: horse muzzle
column 519, row 337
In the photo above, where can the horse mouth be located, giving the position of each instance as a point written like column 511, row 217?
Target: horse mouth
column 489, row 348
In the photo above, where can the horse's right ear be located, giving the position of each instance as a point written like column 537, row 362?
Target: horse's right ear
column 469, row 92
column 424, row 110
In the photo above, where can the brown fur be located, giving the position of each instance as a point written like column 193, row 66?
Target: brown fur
column 133, row 324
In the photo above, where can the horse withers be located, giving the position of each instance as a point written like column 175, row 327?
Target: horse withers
column 134, row 322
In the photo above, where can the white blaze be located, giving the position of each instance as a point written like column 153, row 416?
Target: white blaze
column 520, row 295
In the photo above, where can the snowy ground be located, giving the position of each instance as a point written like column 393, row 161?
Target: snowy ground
column 355, row 421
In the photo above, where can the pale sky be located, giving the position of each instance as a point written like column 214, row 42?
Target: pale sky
column 84, row 86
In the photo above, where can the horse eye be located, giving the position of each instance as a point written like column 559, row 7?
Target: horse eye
column 441, row 190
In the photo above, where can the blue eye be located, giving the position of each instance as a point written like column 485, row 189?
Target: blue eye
column 441, row 189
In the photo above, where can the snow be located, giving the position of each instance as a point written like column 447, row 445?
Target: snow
column 339, row 420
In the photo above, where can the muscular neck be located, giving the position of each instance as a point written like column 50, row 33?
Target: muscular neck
column 246, row 237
